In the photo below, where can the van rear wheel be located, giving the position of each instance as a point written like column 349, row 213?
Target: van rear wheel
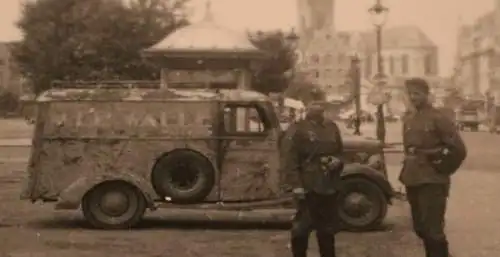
column 114, row 205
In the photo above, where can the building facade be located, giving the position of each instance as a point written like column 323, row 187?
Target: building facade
column 326, row 54
column 323, row 57
column 478, row 55
column 406, row 52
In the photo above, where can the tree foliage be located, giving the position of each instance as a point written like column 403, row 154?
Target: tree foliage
column 271, row 76
column 92, row 39
column 304, row 90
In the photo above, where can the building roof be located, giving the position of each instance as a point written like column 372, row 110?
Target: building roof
column 153, row 95
column 399, row 37
column 205, row 36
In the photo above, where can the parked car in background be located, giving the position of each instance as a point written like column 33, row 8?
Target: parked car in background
column 468, row 114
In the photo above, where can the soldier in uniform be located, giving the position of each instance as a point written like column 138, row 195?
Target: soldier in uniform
column 312, row 167
column 434, row 150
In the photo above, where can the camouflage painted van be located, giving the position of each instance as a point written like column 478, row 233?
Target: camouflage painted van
column 118, row 152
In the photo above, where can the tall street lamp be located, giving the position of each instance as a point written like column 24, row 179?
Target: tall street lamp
column 291, row 42
column 378, row 14
column 355, row 77
column 476, row 56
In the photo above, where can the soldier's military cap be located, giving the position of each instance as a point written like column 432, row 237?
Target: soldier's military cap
column 417, row 84
column 315, row 105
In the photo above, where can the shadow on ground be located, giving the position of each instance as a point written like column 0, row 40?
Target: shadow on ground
column 162, row 224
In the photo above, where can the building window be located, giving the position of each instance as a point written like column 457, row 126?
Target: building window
column 315, row 59
column 405, row 64
column 494, row 60
column 328, row 59
column 342, row 59
column 391, row 65
column 428, row 69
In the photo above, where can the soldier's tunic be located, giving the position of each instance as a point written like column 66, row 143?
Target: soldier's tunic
column 305, row 143
column 425, row 131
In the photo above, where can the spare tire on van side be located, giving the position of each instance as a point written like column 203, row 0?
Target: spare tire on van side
column 184, row 176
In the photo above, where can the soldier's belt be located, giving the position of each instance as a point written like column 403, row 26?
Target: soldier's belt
column 424, row 151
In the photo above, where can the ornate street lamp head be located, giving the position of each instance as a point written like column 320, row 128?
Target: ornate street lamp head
column 209, row 16
column 378, row 14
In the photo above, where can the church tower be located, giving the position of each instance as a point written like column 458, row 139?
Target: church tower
column 321, row 61
column 315, row 15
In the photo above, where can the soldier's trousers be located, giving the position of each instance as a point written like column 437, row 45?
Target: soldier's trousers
column 315, row 212
column 428, row 208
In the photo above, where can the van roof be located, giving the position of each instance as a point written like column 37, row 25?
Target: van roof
column 135, row 94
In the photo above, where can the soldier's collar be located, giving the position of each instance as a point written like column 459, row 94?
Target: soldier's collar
column 317, row 122
column 424, row 108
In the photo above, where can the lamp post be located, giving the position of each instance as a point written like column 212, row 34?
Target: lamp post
column 355, row 76
column 291, row 42
column 378, row 14
column 476, row 56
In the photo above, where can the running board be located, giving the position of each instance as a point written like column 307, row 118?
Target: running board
column 276, row 203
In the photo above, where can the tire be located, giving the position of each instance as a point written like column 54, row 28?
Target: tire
column 94, row 201
column 362, row 204
column 474, row 128
column 184, row 176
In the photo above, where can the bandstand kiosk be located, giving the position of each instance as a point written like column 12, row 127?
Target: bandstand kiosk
column 205, row 55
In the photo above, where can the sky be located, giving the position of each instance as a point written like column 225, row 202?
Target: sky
column 439, row 19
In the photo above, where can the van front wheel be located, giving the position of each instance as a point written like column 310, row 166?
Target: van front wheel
column 113, row 205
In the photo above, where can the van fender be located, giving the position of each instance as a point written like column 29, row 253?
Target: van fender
column 364, row 171
column 71, row 197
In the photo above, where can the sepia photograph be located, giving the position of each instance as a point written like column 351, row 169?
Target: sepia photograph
column 249, row 128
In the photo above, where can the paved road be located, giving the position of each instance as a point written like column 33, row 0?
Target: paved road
column 473, row 225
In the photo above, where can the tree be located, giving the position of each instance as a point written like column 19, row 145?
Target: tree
column 91, row 39
column 271, row 76
column 304, row 90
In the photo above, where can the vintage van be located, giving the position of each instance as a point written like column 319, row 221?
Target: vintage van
column 117, row 152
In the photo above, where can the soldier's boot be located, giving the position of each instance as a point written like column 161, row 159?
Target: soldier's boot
column 427, row 248
column 444, row 248
column 437, row 249
column 326, row 244
column 299, row 246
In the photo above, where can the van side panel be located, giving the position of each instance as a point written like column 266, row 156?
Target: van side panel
column 89, row 139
